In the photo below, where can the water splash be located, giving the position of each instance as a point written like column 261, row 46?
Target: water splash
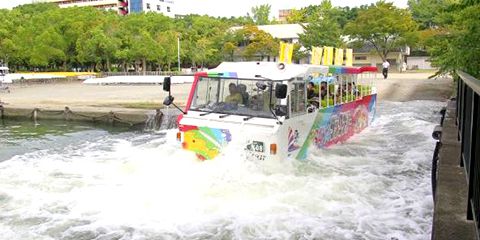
column 141, row 186
column 161, row 120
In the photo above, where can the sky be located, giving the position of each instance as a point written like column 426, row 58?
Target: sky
column 226, row 8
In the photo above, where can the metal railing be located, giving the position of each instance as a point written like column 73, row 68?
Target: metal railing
column 150, row 73
column 468, row 121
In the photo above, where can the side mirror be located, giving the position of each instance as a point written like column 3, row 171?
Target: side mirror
column 281, row 91
column 168, row 101
column 261, row 85
column 167, row 81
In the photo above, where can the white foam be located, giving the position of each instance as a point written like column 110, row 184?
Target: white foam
column 375, row 186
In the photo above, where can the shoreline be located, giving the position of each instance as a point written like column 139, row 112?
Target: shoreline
column 136, row 102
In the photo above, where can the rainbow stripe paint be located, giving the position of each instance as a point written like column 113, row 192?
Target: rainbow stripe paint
column 223, row 74
column 336, row 124
column 205, row 142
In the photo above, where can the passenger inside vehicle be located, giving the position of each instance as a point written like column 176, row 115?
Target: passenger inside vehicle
column 242, row 88
column 312, row 97
column 235, row 96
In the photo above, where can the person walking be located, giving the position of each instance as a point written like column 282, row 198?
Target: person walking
column 385, row 66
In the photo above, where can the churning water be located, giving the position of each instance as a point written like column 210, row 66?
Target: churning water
column 89, row 183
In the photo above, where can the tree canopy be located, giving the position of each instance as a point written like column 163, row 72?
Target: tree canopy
column 426, row 12
column 322, row 28
column 261, row 14
column 45, row 37
column 455, row 46
column 383, row 26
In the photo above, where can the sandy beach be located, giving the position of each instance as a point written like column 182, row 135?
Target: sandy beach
column 132, row 98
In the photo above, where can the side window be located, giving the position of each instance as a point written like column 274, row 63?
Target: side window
column 206, row 92
column 298, row 98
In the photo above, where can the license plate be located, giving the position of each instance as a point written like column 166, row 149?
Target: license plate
column 256, row 147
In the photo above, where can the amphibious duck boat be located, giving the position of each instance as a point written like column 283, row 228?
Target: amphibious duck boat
column 270, row 112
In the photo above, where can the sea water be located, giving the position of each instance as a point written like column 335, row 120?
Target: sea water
column 81, row 182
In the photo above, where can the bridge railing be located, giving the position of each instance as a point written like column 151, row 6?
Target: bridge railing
column 468, row 121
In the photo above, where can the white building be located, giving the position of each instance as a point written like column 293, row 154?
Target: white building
column 165, row 7
column 419, row 62
column 284, row 32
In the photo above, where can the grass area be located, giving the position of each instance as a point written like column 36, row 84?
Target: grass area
column 142, row 105
column 133, row 105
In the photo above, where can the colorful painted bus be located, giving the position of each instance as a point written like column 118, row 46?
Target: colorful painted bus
column 274, row 110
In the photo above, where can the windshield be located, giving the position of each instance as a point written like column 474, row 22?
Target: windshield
column 246, row 97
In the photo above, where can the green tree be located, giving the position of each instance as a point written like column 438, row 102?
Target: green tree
column 384, row 26
column 456, row 47
column 259, row 44
column 299, row 52
column 7, row 45
column 46, row 37
column 312, row 13
column 426, row 12
column 322, row 33
column 97, row 48
column 48, row 48
column 168, row 42
column 471, row 2
column 229, row 49
column 323, row 29
column 144, row 48
column 204, row 51
column 193, row 29
column 261, row 14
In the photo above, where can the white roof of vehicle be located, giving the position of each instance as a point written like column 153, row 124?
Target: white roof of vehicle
column 268, row 70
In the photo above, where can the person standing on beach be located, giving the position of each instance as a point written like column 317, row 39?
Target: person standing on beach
column 385, row 65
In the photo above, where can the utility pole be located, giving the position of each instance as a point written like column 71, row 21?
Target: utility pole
column 178, row 51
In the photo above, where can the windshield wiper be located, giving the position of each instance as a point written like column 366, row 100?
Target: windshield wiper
column 215, row 108
column 205, row 114
column 224, row 115
column 248, row 118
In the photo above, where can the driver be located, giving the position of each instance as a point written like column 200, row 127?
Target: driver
column 235, row 96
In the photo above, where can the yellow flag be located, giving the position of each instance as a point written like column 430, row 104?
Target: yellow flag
column 338, row 57
column 317, row 53
column 349, row 57
column 286, row 52
column 289, row 52
column 328, row 56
